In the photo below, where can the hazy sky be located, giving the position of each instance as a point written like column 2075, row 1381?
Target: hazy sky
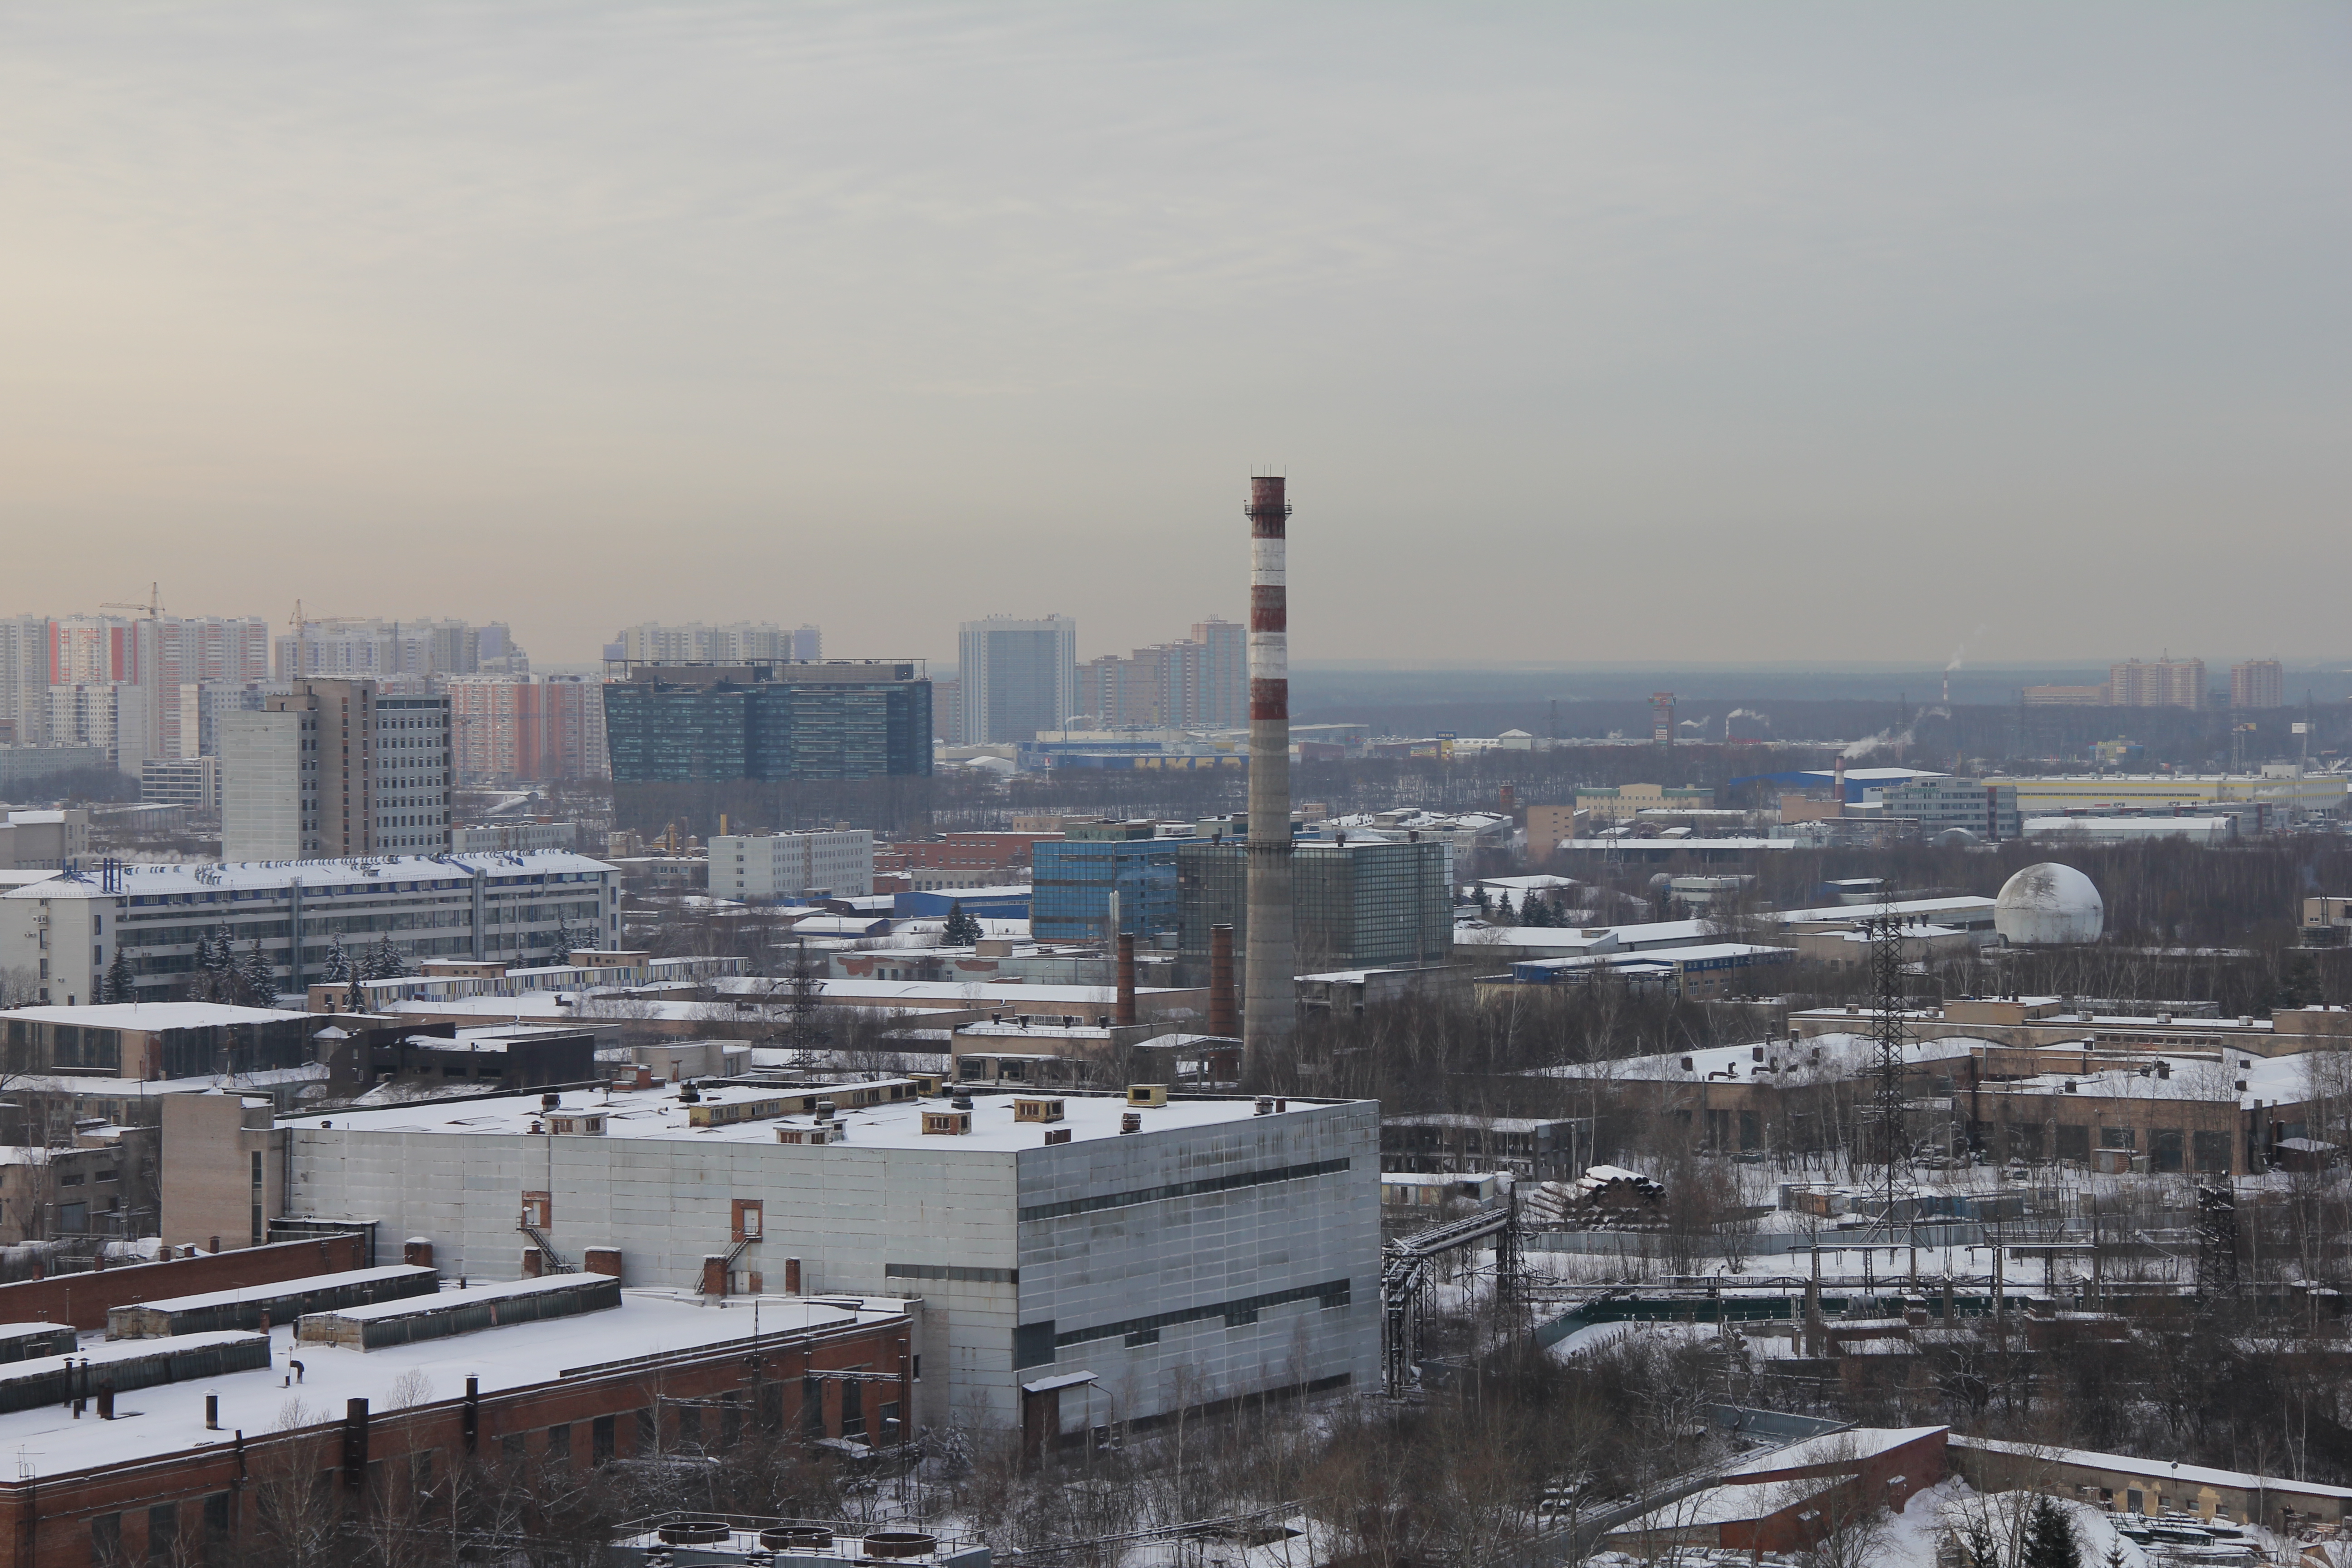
column 1643, row 331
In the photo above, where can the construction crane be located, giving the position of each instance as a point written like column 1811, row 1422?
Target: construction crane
column 154, row 606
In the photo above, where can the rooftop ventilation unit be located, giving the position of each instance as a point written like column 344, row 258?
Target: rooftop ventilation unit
column 947, row 1123
column 1036, row 1110
column 1148, row 1095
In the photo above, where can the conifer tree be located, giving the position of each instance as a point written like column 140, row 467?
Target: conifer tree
column 2050, row 1538
column 258, row 977
column 121, row 985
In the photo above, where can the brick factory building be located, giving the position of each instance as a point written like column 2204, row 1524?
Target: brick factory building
column 185, row 1448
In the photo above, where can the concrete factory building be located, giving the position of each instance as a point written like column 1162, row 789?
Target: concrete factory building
column 2049, row 905
column 1172, row 1253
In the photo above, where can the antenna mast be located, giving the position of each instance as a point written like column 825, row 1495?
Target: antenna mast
column 1888, row 1032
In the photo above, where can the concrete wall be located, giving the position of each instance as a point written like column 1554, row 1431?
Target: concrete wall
column 209, row 1142
column 1135, row 1260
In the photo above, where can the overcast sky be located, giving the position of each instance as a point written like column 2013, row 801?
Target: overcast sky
column 1647, row 331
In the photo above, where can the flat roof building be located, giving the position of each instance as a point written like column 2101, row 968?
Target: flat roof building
column 714, row 723
column 828, row 863
column 1178, row 1251
column 64, row 934
column 1359, row 904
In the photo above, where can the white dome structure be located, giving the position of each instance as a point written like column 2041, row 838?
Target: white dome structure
column 2049, row 904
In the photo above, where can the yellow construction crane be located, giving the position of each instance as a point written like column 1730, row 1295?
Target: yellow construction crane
column 154, row 606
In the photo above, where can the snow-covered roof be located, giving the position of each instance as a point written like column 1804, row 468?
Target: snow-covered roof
column 371, row 874
column 154, row 1014
column 647, row 1322
column 1850, row 1447
column 1842, row 1056
column 1930, row 908
column 658, row 1113
column 2268, row 1080
column 2202, row 1475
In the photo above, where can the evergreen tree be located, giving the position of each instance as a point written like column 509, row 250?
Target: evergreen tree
column 258, row 977
column 217, row 958
column 385, row 962
column 337, row 967
column 1503, row 908
column 962, row 931
column 355, row 999
column 2050, row 1538
column 121, row 985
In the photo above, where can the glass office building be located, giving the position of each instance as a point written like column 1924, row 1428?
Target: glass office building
column 1358, row 905
column 720, row 723
column 1072, row 878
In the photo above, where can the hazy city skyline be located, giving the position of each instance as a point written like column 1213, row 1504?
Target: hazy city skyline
column 1601, row 333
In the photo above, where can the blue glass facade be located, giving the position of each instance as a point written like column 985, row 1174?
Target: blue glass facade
column 682, row 724
column 1072, row 878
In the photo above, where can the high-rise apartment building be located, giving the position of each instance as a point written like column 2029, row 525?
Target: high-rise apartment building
column 386, row 651
column 335, row 768
column 947, row 712
column 1199, row 684
column 113, row 715
column 507, row 729
column 839, row 719
column 741, row 642
column 25, row 657
column 2258, row 683
column 1018, row 678
column 201, row 704
column 2168, row 683
column 1223, row 695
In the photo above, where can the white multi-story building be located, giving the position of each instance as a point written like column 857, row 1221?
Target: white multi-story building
column 113, row 715
column 747, row 642
column 25, row 679
column 61, row 936
column 1016, row 679
column 1207, row 1250
column 837, row 864
column 334, row 767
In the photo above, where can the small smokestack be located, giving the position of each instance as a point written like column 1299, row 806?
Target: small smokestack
column 1838, row 775
column 1126, row 978
column 1221, row 983
column 1270, row 1004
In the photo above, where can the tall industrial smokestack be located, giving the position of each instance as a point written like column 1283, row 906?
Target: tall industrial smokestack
column 1221, row 983
column 1126, row 978
column 1269, row 1004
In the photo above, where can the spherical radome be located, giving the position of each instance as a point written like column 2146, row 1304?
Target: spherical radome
column 2048, row 904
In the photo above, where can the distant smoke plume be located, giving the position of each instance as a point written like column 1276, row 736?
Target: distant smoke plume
column 1885, row 740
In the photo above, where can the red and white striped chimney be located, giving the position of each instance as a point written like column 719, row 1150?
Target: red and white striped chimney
column 1269, row 1006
